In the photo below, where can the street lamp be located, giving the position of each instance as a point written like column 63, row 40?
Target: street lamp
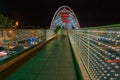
column 16, row 24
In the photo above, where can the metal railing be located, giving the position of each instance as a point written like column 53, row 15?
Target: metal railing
column 18, row 40
column 99, row 50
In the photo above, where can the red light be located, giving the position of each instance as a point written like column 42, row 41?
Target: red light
column 110, row 61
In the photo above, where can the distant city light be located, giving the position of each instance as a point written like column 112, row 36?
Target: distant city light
column 10, row 31
column 16, row 23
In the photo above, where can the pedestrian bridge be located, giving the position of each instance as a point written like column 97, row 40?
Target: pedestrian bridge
column 85, row 53
column 63, row 52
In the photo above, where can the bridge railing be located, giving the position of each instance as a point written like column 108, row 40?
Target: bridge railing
column 99, row 50
column 49, row 33
column 28, row 36
column 18, row 40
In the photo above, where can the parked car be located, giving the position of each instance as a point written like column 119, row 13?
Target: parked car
column 18, row 48
column 3, row 51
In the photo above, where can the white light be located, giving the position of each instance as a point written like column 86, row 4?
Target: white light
column 116, row 66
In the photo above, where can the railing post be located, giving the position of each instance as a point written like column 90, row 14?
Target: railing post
column 88, row 50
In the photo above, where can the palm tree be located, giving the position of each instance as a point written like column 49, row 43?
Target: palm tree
column 11, row 23
column 2, row 22
column 5, row 23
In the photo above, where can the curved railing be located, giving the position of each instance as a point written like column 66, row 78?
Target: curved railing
column 22, row 41
column 99, row 50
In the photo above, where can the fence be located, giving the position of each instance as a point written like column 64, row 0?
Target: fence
column 18, row 40
column 99, row 50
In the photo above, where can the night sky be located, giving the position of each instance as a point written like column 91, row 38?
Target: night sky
column 40, row 12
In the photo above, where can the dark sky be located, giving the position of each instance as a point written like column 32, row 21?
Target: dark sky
column 40, row 12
